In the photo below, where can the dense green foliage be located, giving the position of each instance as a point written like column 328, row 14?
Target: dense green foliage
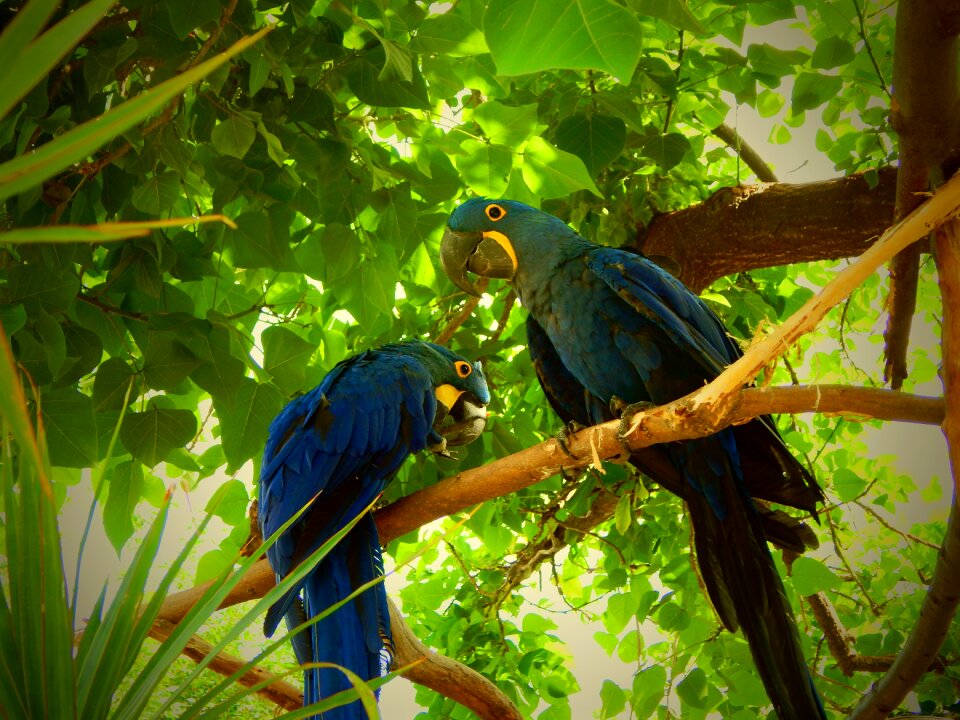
column 338, row 144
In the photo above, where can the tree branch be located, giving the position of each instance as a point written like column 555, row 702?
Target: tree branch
column 924, row 112
column 938, row 209
column 943, row 596
column 750, row 157
column 279, row 691
column 770, row 225
column 446, row 676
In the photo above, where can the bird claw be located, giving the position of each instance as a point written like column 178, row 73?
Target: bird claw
column 564, row 433
column 440, row 449
column 626, row 411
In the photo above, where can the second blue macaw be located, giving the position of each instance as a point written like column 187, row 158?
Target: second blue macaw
column 339, row 444
column 607, row 327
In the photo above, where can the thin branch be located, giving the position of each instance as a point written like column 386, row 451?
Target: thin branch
column 750, row 157
column 112, row 309
column 279, row 692
column 468, row 307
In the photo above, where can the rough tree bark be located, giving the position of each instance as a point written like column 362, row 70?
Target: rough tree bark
column 771, row 224
column 925, row 112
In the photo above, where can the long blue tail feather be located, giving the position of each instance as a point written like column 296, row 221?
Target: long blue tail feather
column 741, row 577
column 353, row 636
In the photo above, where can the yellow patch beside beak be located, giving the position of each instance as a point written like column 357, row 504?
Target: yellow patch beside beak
column 503, row 242
column 447, row 395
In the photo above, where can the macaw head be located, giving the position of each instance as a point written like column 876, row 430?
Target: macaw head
column 498, row 238
column 460, row 390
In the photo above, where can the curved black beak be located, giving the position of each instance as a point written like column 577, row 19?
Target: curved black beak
column 463, row 423
column 478, row 253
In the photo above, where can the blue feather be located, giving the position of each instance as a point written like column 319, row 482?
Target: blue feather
column 341, row 443
column 607, row 323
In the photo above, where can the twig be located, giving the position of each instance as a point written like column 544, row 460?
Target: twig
column 468, row 307
column 750, row 157
column 107, row 308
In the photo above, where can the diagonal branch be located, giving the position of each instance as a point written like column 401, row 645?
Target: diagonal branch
column 749, row 156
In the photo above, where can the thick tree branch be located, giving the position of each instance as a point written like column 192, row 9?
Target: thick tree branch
column 446, row 676
column 943, row 596
column 772, row 224
column 924, row 111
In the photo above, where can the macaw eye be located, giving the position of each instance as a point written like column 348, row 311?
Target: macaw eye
column 463, row 368
column 494, row 212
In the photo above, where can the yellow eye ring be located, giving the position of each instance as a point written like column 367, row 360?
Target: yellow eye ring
column 495, row 212
column 463, row 368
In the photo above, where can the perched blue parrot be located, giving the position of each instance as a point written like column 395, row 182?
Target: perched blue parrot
column 342, row 442
column 607, row 327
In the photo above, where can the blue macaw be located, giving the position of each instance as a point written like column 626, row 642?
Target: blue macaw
column 342, row 442
column 607, row 327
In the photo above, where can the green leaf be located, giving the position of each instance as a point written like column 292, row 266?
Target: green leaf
column 28, row 171
column 667, row 150
column 811, row 90
column 614, row 699
column 595, row 139
column 692, row 690
column 624, row 514
column 245, row 421
column 285, row 357
column 847, row 484
column 675, row 12
column 508, row 125
column 229, row 503
column 363, row 76
column 12, row 318
column 157, row 194
column 373, row 292
column 450, row 35
column 397, row 62
column 187, row 15
column 35, row 287
column 527, row 36
column 71, row 431
column 26, row 60
column 550, row 172
column 832, row 52
column 126, row 490
column 812, row 576
column 150, row 436
column 648, row 690
column 484, row 166
column 167, row 362
column 340, row 250
column 233, row 136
